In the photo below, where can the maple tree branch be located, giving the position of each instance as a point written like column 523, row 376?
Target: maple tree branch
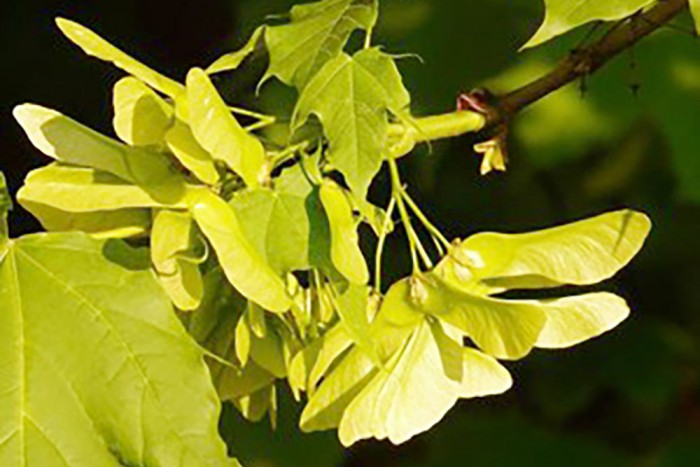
column 579, row 63
column 588, row 59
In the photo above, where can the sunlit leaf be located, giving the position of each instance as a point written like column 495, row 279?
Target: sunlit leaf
column 580, row 253
column 345, row 250
column 190, row 153
column 141, row 117
column 94, row 45
column 213, row 326
column 354, row 305
column 231, row 61
column 562, row 16
column 120, row 223
column 5, row 206
column 695, row 10
column 254, row 406
column 316, row 33
column 325, row 409
column 65, row 140
column 311, row 364
column 351, row 97
column 133, row 386
column 217, row 131
column 78, row 189
column 173, row 253
column 279, row 225
column 243, row 265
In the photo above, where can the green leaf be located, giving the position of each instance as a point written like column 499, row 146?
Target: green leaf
column 418, row 386
column 317, row 33
column 254, row 406
column 216, row 129
column 173, row 252
column 213, row 325
column 325, row 409
column 133, row 386
column 579, row 253
column 78, row 189
column 353, row 307
column 243, row 265
column 141, row 117
column 287, row 224
column 695, row 10
column 5, row 207
column 279, row 226
column 351, row 97
column 313, row 362
column 562, row 16
column 65, row 140
column 345, row 250
column 94, row 45
column 190, row 153
column 120, row 223
column 231, row 61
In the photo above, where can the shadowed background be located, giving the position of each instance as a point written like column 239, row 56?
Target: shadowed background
column 631, row 397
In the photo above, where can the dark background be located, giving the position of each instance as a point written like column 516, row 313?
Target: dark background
column 631, row 397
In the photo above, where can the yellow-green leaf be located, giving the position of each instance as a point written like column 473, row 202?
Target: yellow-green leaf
column 172, row 250
column 562, row 16
column 213, row 326
column 141, row 117
column 325, row 409
column 351, row 96
column 65, row 140
column 695, row 10
column 345, row 250
column 242, row 264
column 5, row 206
column 232, row 60
column 311, row 364
column 190, row 153
column 317, row 33
column 97, row 368
column 94, row 45
column 79, row 189
column 216, row 129
column 120, row 223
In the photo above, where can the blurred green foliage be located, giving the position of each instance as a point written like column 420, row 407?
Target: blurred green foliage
column 630, row 398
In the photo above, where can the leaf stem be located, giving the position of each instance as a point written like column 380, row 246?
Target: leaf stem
column 424, row 220
column 433, row 127
column 380, row 245
column 415, row 245
column 252, row 114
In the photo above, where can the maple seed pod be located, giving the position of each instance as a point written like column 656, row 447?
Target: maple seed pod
column 418, row 291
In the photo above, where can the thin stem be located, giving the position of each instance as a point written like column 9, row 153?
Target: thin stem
column 413, row 240
column 380, row 245
column 252, row 114
column 424, row 219
column 258, row 125
column 279, row 158
column 368, row 38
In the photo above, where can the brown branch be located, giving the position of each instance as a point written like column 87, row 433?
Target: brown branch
column 588, row 59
